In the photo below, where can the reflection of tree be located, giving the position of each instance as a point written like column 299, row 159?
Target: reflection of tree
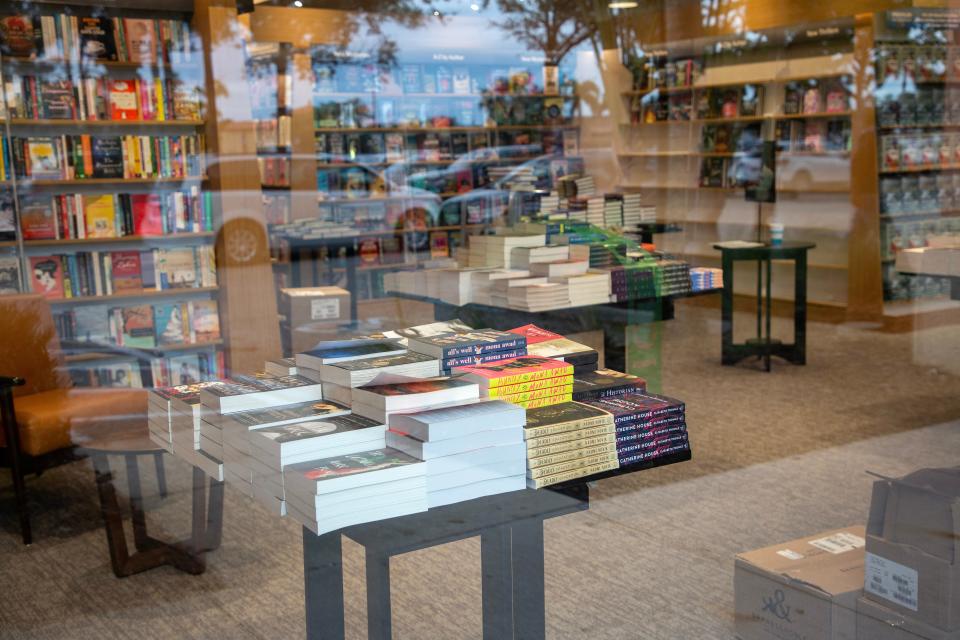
column 555, row 27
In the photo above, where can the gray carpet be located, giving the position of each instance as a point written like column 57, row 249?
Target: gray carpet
column 776, row 457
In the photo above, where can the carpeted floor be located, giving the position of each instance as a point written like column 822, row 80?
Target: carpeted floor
column 776, row 456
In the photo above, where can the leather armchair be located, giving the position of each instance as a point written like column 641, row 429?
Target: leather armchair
column 38, row 403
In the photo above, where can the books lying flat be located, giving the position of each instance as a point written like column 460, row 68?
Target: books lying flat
column 577, row 450
column 564, row 440
column 464, row 344
column 337, row 393
column 356, row 470
column 281, row 367
column 458, row 421
column 637, row 407
column 532, row 385
column 490, row 356
column 452, row 446
column 338, row 431
column 242, row 393
column 573, row 474
column 354, row 373
column 419, row 393
column 344, row 351
column 547, row 392
column 433, row 329
column 540, row 402
column 560, row 418
column 516, row 371
column 571, row 465
column 286, row 414
column 604, row 383
column 333, row 506
column 475, row 490
column 560, row 268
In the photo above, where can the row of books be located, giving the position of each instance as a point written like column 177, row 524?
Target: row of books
column 925, row 150
column 104, row 273
column 702, row 104
column 911, row 63
column 306, row 447
column 653, row 72
column 814, row 96
column 76, row 157
column 72, row 37
column 814, row 135
column 143, row 325
column 69, row 216
column 928, row 193
column 896, row 236
column 183, row 369
column 134, row 100
column 918, row 106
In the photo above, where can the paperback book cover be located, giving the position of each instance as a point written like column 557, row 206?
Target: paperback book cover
column 343, row 351
column 126, row 273
column 184, row 369
column 137, row 327
column 9, row 275
column 147, row 214
column 636, row 407
column 532, row 385
column 101, row 216
column 447, row 346
column 490, row 356
column 416, row 393
column 366, row 364
column 123, row 100
column 46, row 276
column 36, row 217
column 96, row 38
column 515, row 371
column 329, row 470
column 43, row 158
column 17, row 36
column 559, row 418
column 294, row 413
column 141, row 40
column 604, row 383
column 205, row 320
column 107, row 157
column 359, row 428
column 57, row 100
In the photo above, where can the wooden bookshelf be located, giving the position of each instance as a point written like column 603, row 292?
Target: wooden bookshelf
column 158, row 351
column 137, row 295
column 172, row 237
column 56, row 122
column 452, row 129
column 80, row 182
column 91, row 63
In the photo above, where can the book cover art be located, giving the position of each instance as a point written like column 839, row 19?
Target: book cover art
column 178, row 268
column 57, row 100
column 137, row 327
column 147, row 214
column 567, row 412
column 43, row 158
column 170, row 324
column 365, row 349
column 417, row 386
column 535, row 334
column 17, row 36
column 184, row 369
column 603, row 383
column 37, row 220
column 141, row 40
column 9, row 275
column 186, row 101
column 365, row 364
column 473, row 342
column 119, row 374
column 631, row 408
column 107, row 155
column 46, row 276
column 325, row 410
column 96, row 38
column 100, row 214
column 8, row 221
column 354, row 464
column 126, row 271
column 287, row 433
column 506, row 372
column 560, row 348
column 122, row 98
column 205, row 320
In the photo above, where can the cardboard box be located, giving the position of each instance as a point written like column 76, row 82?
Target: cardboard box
column 804, row 589
column 315, row 305
column 913, row 547
column 877, row 622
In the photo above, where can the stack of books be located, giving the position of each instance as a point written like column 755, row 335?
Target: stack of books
column 357, row 373
column 310, row 364
column 245, row 393
column 471, row 450
column 632, row 210
column 537, row 297
column 529, row 382
column 331, row 493
column 280, row 367
column 568, row 441
column 605, row 383
column 586, row 186
column 453, row 286
column 592, row 287
column 379, row 402
column 559, row 268
column 461, row 349
column 162, row 403
column 612, row 211
column 523, row 257
column 705, row 278
column 483, row 282
column 547, row 344
column 648, row 426
column 634, row 282
column 495, row 251
column 549, row 204
column 500, row 289
column 299, row 433
column 674, row 277
column 595, row 211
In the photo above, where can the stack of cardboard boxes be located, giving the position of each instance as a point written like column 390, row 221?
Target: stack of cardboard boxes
column 896, row 579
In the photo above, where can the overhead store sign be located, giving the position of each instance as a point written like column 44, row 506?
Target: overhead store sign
column 924, row 17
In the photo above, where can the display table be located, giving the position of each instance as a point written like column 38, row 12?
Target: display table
column 613, row 319
column 131, row 441
column 764, row 345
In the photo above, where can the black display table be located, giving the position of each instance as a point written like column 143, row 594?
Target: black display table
column 763, row 345
column 613, row 319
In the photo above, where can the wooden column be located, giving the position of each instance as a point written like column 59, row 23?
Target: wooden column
column 303, row 173
column 248, row 307
column 864, row 273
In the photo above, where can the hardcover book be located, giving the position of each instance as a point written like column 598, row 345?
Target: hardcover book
column 604, row 383
column 461, row 344
column 107, row 155
column 637, row 408
column 515, row 371
column 137, row 327
column 9, row 275
column 126, row 271
column 96, row 38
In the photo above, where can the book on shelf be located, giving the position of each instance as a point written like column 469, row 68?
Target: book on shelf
column 120, row 374
column 9, row 275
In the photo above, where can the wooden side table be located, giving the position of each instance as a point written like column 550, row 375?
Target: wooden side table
column 131, row 440
column 764, row 345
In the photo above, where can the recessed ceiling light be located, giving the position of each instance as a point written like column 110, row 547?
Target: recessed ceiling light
column 623, row 4
column 475, row 7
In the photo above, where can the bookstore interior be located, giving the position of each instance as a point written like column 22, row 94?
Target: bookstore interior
column 420, row 318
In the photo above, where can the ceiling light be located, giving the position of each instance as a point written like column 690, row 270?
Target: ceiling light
column 436, row 13
column 297, row 3
column 623, row 4
column 475, row 7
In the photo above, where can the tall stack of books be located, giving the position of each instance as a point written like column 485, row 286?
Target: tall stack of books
column 648, row 426
column 586, row 186
column 529, row 382
column 523, row 257
column 632, row 210
column 605, row 383
column 461, row 349
column 379, row 402
column 549, row 204
column 547, row 344
column 484, row 281
column 568, row 441
column 542, row 296
column 634, row 282
column 589, row 288
column 310, row 364
column 331, row 493
column 357, row 373
column 495, row 251
column 472, row 450
column 246, row 393
column 674, row 277
column 595, row 211
column 500, row 290
column 705, row 278
column 299, row 433
column 162, row 403
column 612, row 211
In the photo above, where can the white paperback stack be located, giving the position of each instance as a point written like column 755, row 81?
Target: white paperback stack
column 471, row 451
column 494, row 251
column 404, row 281
column 612, row 211
column 500, row 290
column 523, row 257
column 299, row 433
column 245, row 393
column 311, row 363
column 483, row 282
column 453, row 286
column 560, row 268
column 539, row 297
column 592, row 287
column 648, row 213
column 585, row 186
column 549, row 204
column 378, row 402
column 632, row 211
column 356, row 373
column 159, row 411
column 595, row 211
column 331, row 493
column 185, row 421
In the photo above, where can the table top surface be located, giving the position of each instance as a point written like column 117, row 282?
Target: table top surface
column 785, row 247
column 609, row 305
column 114, row 437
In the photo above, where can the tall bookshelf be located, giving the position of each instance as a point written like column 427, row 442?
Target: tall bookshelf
column 103, row 117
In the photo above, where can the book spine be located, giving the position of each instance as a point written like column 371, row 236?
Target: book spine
column 606, row 449
column 471, row 361
column 529, row 376
column 582, row 472
column 483, row 347
column 524, row 387
column 659, row 452
column 531, row 433
column 631, row 449
column 572, row 445
column 577, row 433
column 570, row 465
column 542, row 402
column 548, row 392
column 599, row 394
column 649, row 426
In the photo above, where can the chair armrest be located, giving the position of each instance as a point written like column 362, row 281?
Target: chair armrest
column 7, row 382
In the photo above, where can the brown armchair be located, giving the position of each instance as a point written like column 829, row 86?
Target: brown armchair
column 38, row 403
